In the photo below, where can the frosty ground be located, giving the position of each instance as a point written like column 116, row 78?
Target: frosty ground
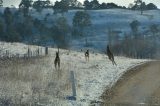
column 35, row 80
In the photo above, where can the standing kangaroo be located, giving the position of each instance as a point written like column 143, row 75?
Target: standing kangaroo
column 57, row 60
column 110, row 55
column 87, row 55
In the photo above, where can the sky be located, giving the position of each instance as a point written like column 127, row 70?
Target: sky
column 7, row 3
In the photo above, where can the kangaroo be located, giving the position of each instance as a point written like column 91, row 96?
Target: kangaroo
column 87, row 55
column 57, row 60
column 110, row 55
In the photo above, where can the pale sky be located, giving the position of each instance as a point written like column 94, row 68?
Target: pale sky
column 119, row 2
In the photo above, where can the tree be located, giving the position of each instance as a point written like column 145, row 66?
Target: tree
column 24, row 6
column 139, row 5
column 47, row 4
column 91, row 5
column 8, row 16
column 154, row 29
column 25, row 28
column 1, row 3
column 138, row 2
column 81, row 20
column 143, row 7
column 57, row 7
column 61, row 31
column 136, row 41
column 1, row 29
column 61, row 7
column 74, row 4
column 87, row 4
column 112, row 5
column 38, row 5
column 134, row 27
column 103, row 6
column 151, row 6
column 94, row 4
column 10, row 32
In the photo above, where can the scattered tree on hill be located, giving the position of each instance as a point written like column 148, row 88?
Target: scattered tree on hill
column 134, row 27
column 60, row 32
column 154, row 29
column 24, row 6
column 143, row 7
column 81, row 20
column 151, row 6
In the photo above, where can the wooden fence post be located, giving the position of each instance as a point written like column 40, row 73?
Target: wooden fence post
column 28, row 52
column 38, row 52
column 46, row 50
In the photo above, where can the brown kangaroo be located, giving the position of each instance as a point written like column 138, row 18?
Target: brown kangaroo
column 110, row 55
column 87, row 55
column 57, row 60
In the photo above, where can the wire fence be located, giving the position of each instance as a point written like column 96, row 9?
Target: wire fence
column 38, row 52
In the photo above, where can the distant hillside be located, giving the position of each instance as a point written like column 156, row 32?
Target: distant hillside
column 102, row 20
column 115, row 22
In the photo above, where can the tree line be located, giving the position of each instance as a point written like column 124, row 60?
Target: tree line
column 63, row 6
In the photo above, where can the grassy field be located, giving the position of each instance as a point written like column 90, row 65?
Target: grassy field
column 32, row 81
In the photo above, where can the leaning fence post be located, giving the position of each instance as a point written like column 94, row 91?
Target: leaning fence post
column 73, row 84
column 73, row 97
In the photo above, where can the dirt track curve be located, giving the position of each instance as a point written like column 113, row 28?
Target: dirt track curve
column 138, row 86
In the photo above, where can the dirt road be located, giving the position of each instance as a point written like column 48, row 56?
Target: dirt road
column 139, row 85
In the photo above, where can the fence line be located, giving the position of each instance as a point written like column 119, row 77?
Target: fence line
column 6, row 54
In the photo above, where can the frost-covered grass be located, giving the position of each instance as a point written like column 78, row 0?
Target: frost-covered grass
column 36, row 80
